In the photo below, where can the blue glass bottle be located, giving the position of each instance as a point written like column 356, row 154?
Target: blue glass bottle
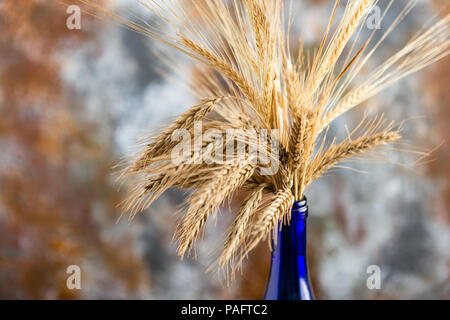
column 288, row 276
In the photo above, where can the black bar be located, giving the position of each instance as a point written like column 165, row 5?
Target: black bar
column 215, row 309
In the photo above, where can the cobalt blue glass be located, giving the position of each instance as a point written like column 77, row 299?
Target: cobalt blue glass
column 288, row 276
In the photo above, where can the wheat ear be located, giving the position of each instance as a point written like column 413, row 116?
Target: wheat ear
column 299, row 136
column 355, row 13
column 348, row 149
column 269, row 218
column 163, row 143
column 235, row 240
column 209, row 197
column 261, row 26
column 354, row 98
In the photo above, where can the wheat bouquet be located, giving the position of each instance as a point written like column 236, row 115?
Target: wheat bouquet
column 253, row 80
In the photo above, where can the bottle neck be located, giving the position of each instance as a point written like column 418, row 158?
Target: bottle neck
column 288, row 277
column 298, row 226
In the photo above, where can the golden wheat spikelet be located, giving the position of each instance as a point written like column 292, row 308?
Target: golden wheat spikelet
column 348, row 149
column 208, row 197
column 163, row 142
column 269, row 217
column 235, row 240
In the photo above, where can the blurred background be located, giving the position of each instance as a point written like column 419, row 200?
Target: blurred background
column 74, row 102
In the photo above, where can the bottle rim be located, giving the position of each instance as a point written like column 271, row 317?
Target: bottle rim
column 300, row 206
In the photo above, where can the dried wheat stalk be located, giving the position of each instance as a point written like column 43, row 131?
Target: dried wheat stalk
column 244, row 47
